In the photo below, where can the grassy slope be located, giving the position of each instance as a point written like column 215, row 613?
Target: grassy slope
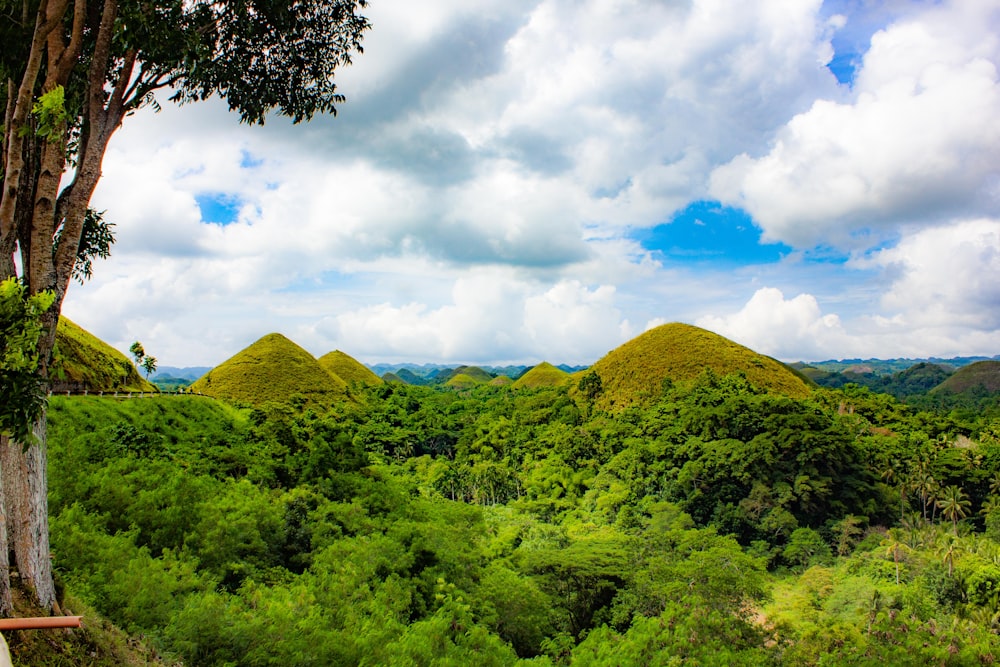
column 543, row 375
column 271, row 369
column 348, row 369
column 982, row 374
column 635, row 371
column 84, row 360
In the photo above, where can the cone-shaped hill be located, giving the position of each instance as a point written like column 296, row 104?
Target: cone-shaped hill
column 978, row 376
column 634, row 372
column 348, row 369
column 272, row 369
column 542, row 375
column 466, row 375
column 85, row 362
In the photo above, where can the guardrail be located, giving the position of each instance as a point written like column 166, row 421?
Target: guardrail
column 32, row 623
column 125, row 394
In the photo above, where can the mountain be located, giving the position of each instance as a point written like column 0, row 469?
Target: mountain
column 635, row 372
column 271, row 369
column 180, row 373
column 981, row 377
column 348, row 369
column 542, row 375
column 85, row 362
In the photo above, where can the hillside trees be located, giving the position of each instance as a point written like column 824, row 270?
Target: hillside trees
column 70, row 72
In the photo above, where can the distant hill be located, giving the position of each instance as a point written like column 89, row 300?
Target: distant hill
column 85, row 362
column 981, row 377
column 271, row 369
column 407, row 376
column 542, row 375
column 635, row 371
column 392, row 377
column 472, row 374
column 348, row 369
column 180, row 373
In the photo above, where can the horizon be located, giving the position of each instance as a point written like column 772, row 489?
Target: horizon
column 531, row 179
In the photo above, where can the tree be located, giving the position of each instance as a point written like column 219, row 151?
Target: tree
column 954, row 505
column 22, row 398
column 149, row 365
column 138, row 353
column 70, row 72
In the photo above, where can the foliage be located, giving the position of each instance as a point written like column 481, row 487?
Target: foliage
column 22, row 393
column 717, row 524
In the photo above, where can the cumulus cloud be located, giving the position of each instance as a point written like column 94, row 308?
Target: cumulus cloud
column 946, row 278
column 491, row 316
column 788, row 329
column 919, row 140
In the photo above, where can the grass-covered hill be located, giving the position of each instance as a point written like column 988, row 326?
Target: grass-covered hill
column 85, row 362
column 271, row 369
column 980, row 377
column 348, row 369
column 542, row 375
column 635, row 372
column 470, row 374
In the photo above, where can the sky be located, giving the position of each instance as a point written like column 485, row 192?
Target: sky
column 512, row 181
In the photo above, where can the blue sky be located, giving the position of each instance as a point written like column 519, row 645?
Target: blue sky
column 528, row 180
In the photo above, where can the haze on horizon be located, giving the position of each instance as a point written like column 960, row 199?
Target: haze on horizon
column 528, row 180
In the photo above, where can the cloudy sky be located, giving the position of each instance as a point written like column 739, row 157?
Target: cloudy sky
column 527, row 180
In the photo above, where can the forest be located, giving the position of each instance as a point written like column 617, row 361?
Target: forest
column 715, row 523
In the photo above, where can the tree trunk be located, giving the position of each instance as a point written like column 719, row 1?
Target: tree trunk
column 25, row 494
column 6, row 604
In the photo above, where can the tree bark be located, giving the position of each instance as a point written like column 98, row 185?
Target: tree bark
column 25, row 494
column 6, row 603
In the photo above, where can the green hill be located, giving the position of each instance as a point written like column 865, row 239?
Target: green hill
column 348, row 369
column 85, row 362
column 542, row 375
column 979, row 377
column 464, row 381
column 501, row 381
column 272, row 369
column 472, row 373
column 392, row 377
column 634, row 372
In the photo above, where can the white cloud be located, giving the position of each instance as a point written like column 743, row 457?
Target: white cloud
column 946, row 278
column 788, row 329
column 920, row 139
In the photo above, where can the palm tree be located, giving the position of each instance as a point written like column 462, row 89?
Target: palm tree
column 954, row 505
column 895, row 547
column 947, row 548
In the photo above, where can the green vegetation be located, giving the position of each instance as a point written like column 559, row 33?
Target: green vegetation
column 637, row 371
column 718, row 521
column 348, row 369
column 22, row 397
column 272, row 369
column 542, row 375
column 84, row 362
